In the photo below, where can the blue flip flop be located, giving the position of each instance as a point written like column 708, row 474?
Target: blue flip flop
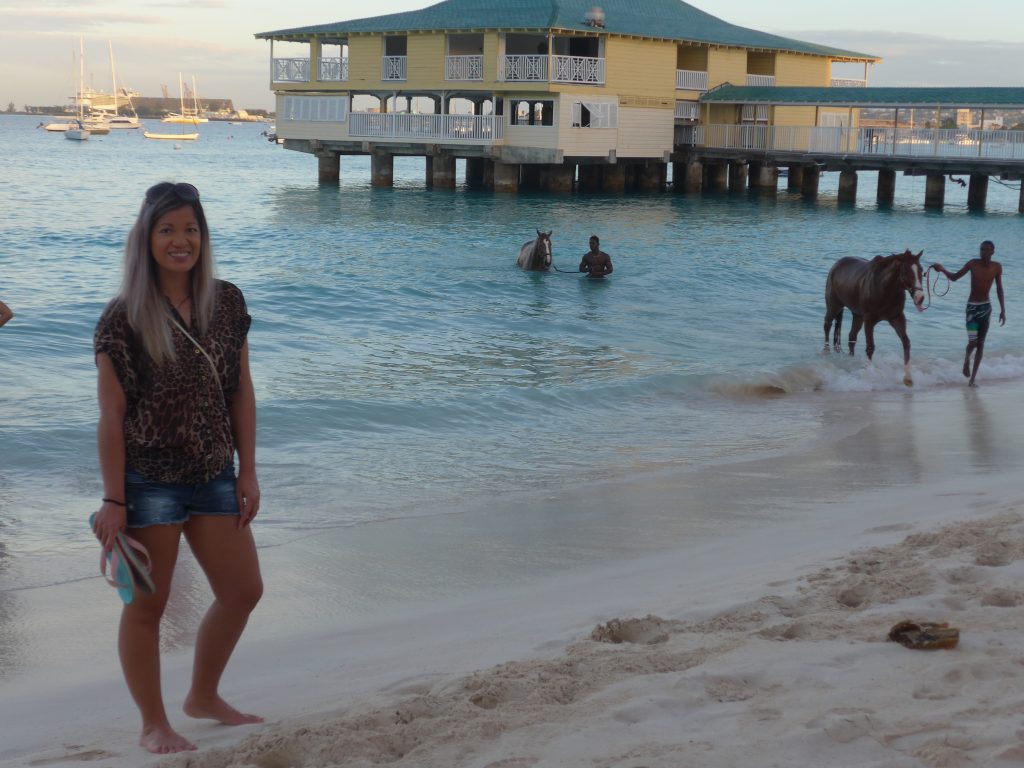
column 119, row 566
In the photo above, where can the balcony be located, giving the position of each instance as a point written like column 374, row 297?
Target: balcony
column 690, row 80
column 393, row 68
column 290, row 71
column 578, row 69
column 687, row 110
column 524, row 69
column 873, row 142
column 847, row 82
column 333, row 70
column 761, row 80
column 462, row 129
column 464, row 68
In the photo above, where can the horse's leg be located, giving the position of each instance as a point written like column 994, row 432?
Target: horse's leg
column 899, row 325
column 829, row 317
column 869, row 338
column 838, row 332
column 855, row 325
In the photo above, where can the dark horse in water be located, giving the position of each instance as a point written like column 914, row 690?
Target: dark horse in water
column 536, row 254
column 874, row 291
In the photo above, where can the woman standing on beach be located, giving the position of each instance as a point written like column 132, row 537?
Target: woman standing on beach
column 176, row 401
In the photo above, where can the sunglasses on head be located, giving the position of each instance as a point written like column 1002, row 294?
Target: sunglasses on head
column 181, row 189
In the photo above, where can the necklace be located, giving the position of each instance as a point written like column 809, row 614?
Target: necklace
column 179, row 305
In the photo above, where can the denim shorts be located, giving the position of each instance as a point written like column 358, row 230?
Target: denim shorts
column 152, row 503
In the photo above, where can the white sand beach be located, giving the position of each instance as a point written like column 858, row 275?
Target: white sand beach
column 750, row 640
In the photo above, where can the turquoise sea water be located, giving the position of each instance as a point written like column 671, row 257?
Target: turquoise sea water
column 404, row 366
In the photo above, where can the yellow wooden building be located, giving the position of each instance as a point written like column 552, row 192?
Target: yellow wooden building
column 533, row 92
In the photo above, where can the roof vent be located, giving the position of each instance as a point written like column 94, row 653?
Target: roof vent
column 594, row 17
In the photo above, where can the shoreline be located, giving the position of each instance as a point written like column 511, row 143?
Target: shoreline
column 366, row 619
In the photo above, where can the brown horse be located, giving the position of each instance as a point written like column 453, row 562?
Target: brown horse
column 536, row 254
column 874, row 291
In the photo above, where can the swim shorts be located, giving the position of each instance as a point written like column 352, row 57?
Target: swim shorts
column 978, row 317
column 152, row 503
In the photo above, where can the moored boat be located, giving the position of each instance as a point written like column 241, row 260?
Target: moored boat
column 171, row 136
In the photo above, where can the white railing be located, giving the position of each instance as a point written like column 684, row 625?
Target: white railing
column 464, row 68
column 578, row 69
column 333, row 69
column 761, row 80
column 889, row 142
column 690, row 80
column 290, row 71
column 468, row 129
column 687, row 110
column 519, row 69
column 393, row 67
column 847, row 82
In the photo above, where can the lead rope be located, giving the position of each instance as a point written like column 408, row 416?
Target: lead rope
column 931, row 287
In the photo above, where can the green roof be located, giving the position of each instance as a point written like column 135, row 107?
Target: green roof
column 963, row 98
column 661, row 19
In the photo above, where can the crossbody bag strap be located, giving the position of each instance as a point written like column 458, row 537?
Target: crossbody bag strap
column 213, row 365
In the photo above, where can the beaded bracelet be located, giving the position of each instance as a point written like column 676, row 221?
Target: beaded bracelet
column 115, row 501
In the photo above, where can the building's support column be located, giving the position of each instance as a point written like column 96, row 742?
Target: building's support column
column 382, row 104
column 812, row 177
column 848, row 187
column 590, row 178
column 737, row 177
column 886, row 187
column 329, row 167
column 764, row 179
column 382, row 169
column 935, row 191
column 652, row 176
column 529, row 176
column 488, row 174
column 558, row 178
column 1020, row 205
column 717, row 177
column 977, row 193
column 475, row 172
column 429, row 171
column 795, row 178
column 613, row 179
column 443, row 170
column 506, row 177
column 688, row 177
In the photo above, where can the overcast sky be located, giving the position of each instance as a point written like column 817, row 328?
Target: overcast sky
column 943, row 43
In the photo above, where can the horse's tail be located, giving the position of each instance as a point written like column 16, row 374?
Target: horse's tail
column 833, row 312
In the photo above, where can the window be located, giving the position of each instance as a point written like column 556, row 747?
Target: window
column 595, row 114
column 525, row 112
column 316, row 109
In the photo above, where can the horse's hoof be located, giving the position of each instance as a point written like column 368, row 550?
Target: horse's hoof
column 908, row 381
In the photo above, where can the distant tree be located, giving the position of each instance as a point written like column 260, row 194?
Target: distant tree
column 11, row 109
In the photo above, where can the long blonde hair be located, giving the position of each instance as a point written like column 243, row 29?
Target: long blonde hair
column 144, row 302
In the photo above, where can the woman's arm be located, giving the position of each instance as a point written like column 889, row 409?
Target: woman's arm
column 111, row 517
column 243, row 429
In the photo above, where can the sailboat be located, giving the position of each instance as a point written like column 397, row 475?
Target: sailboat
column 187, row 116
column 79, row 132
column 174, row 136
column 117, row 120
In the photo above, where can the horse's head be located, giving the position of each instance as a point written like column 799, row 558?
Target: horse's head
column 542, row 249
column 912, row 276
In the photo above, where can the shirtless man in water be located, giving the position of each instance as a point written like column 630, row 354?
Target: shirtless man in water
column 984, row 272
column 596, row 262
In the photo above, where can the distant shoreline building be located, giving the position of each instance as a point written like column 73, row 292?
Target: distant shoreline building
column 556, row 95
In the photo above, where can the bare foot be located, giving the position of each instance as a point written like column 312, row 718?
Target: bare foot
column 972, row 383
column 967, row 367
column 218, row 709
column 163, row 740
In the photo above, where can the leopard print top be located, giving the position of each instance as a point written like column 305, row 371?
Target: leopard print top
column 177, row 427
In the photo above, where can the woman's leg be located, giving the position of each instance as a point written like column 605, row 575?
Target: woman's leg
column 138, row 641
column 227, row 555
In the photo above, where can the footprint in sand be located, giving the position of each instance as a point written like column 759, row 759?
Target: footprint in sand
column 85, row 755
column 650, row 630
column 1003, row 598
